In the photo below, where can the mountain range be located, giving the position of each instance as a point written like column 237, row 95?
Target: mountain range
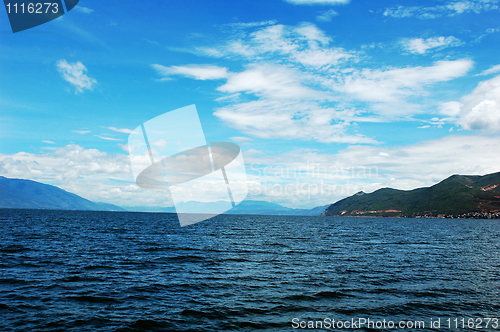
column 457, row 196
column 245, row 207
column 27, row 194
column 465, row 196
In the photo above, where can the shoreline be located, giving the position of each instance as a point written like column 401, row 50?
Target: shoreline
column 469, row 215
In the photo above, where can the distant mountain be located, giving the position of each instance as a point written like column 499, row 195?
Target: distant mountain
column 245, row 207
column 27, row 194
column 156, row 209
column 456, row 196
column 267, row 208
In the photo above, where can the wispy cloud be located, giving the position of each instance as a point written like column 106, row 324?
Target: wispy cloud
column 84, row 10
column 449, row 8
column 49, row 142
column 124, row 147
column 304, row 44
column 82, row 132
column 488, row 32
column 400, row 11
column 271, row 81
column 228, row 98
column 120, row 130
column 243, row 25
column 327, row 15
column 308, row 89
column 75, row 73
column 287, row 119
column 421, row 46
column 151, row 41
column 492, row 70
column 240, row 139
column 395, row 84
column 75, row 29
column 207, row 72
column 108, row 138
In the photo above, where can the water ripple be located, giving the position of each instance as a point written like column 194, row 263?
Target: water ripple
column 110, row 271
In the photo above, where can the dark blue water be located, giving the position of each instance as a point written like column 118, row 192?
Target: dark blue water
column 111, row 271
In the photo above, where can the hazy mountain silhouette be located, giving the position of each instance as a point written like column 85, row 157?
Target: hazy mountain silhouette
column 27, row 194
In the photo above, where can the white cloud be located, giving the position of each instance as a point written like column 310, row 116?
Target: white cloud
column 85, row 172
column 492, row 30
column 124, row 147
column 492, row 70
column 84, row 10
column 120, row 130
column 293, row 178
column 108, row 138
column 485, row 34
column 161, row 144
column 301, row 46
column 327, row 15
column 92, row 174
column 309, row 89
column 449, row 8
column 152, row 41
column 479, row 110
column 421, row 46
column 451, row 108
column 74, row 73
column 430, row 161
column 279, row 87
column 290, row 120
column 49, row 142
column 483, row 116
column 240, row 25
column 270, row 81
column 240, row 139
column 400, row 11
column 228, row 98
column 82, row 132
column 428, row 16
column 394, row 84
column 318, row 2
column 198, row 72
column 307, row 178
column 459, row 7
column 305, row 45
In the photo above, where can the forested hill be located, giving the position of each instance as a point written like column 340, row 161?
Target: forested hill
column 457, row 196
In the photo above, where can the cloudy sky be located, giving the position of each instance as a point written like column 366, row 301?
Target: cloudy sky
column 325, row 97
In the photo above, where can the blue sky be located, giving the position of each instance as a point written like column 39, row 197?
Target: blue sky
column 322, row 88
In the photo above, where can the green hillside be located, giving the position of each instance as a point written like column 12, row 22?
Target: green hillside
column 456, row 195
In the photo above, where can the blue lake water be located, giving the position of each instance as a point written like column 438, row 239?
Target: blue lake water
column 117, row 271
